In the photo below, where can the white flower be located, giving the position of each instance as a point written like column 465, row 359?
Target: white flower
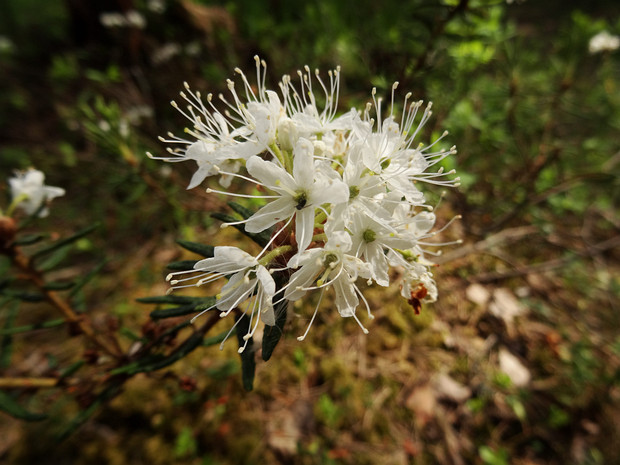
column 603, row 42
column 372, row 236
column 248, row 280
column 298, row 194
column 29, row 193
column 336, row 268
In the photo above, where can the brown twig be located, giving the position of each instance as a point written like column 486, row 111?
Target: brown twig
column 28, row 382
column 23, row 263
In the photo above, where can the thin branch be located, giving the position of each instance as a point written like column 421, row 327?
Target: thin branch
column 24, row 264
column 28, row 382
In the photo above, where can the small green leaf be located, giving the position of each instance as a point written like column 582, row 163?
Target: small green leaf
column 32, row 327
column 8, row 405
column 261, row 238
column 63, row 242
column 272, row 334
column 55, row 258
column 182, row 310
column 28, row 239
column 59, row 285
column 25, row 296
column 182, row 265
column 200, row 249
column 80, row 283
column 241, row 210
column 168, row 299
column 248, row 362
column 71, row 369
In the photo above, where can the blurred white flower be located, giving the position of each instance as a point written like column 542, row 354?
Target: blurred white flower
column 603, row 42
column 135, row 19
column 156, row 6
column 29, row 193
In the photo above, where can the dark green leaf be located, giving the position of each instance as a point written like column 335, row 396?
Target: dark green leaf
column 129, row 334
column 175, row 311
column 59, row 285
column 8, row 405
column 72, row 369
column 168, row 299
column 32, row 327
column 241, row 210
column 272, row 334
column 157, row 362
column 25, row 296
column 182, row 265
column 55, row 258
column 63, row 242
column 261, row 238
column 80, row 283
column 28, row 239
column 211, row 341
column 248, row 362
column 200, row 249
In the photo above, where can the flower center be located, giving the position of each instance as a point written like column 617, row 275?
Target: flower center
column 300, row 198
column 354, row 191
column 369, row 235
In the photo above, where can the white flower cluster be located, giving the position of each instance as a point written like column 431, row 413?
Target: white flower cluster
column 603, row 42
column 341, row 192
column 29, row 192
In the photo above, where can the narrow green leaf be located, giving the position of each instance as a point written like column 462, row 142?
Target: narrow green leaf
column 8, row 405
column 25, row 296
column 182, row 265
column 129, row 334
column 54, row 258
column 168, row 299
column 218, row 339
column 80, row 283
column 248, row 362
column 59, row 285
column 173, row 312
column 72, row 369
column 32, row 327
column 200, row 249
column 29, row 239
column 63, row 242
column 241, row 210
column 272, row 334
column 157, row 362
column 261, row 238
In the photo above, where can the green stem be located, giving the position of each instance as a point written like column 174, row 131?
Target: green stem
column 320, row 237
column 283, row 156
column 267, row 259
column 16, row 201
column 320, row 218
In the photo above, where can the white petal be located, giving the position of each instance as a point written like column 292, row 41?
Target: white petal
column 304, row 227
column 346, row 299
column 279, row 210
column 269, row 173
column 303, row 163
column 303, row 277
